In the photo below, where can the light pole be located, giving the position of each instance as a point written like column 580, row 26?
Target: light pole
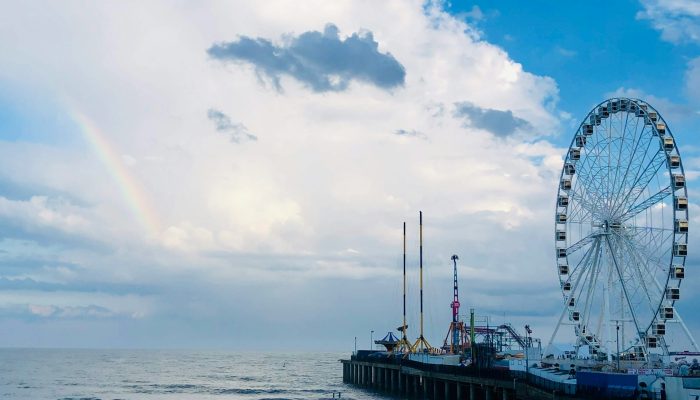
column 617, row 343
column 355, row 345
column 527, row 353
column 371, row 342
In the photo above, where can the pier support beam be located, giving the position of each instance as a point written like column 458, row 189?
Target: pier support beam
column 399, row 381
column 459, row 391
column 436, row 383
column 504, row 396
column 472, row 392
column 447, row 390
column 488, row 393
column 425, row 387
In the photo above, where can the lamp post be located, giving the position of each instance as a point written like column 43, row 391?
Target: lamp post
column 371, row 342
column 617, row 343
column 355, row 345
column 527, row 353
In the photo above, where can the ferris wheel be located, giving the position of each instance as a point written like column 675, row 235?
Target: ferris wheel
column 621, row 230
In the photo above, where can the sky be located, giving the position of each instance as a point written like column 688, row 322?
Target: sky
column 236, row 174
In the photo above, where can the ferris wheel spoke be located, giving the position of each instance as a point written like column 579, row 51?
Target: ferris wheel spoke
column 612, row 166
column 593, row 150
column 645, row 204
column 637, row 139
column 654, row 298
column 619, row 154
column 635, row 266
column 624, row 288
column 642, row 181
column 583, row 204
column 583, row 261
column 581, row 265
column 660, row 291
column 581, row 243
column 653, row 256
column 637, row 163
column 592, row 286
column 648, row 233
column 594, row 153
column 653, row 238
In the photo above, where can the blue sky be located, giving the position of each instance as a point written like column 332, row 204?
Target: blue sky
column 236, row 175
column 591, row 49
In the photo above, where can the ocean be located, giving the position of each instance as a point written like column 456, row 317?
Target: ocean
column 172, row 374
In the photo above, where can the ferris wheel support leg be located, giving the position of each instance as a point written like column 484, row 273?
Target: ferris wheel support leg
column 624, row 289
column 608, row 315
column 568, row 298
column 556, row 330
column 687, row 332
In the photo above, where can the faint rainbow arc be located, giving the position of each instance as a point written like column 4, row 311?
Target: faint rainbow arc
column 131, row 190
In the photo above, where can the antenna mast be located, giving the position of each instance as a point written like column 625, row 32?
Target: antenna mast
column 424, row 345
column 404, row 343
column 404, row 281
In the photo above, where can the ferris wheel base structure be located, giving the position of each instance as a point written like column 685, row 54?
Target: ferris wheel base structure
column 621, row 238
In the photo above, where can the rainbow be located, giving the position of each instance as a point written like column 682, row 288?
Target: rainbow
column 131, row 190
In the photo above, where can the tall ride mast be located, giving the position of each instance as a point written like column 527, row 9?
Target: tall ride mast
column 421, row 342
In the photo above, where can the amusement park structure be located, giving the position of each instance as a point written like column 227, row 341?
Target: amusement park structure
column 421, row 344
column 621, row 234
column 621, row 243
column 456, row 340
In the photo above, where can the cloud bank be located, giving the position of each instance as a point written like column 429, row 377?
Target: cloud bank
column 246, row 229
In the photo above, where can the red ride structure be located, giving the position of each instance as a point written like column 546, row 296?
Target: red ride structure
column 457, row 332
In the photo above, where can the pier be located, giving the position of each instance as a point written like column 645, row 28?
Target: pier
column 407, row 378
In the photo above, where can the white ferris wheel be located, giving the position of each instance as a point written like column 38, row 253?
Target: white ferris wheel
column 621, row 230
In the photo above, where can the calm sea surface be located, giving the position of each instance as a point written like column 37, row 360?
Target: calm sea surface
column 172, row 374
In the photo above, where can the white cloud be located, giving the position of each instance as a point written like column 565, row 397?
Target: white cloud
column 327, row 172
column 678, row 20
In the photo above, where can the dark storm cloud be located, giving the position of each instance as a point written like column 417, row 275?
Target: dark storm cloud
column 500, row 123
column 320, row 60
column 236, row 131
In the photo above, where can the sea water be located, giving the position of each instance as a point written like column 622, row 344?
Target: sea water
column 172, row 374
